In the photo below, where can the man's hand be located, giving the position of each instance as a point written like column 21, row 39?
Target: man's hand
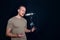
column 33, row 29
column 20, row 35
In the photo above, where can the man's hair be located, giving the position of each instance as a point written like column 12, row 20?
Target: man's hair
column 21, row 6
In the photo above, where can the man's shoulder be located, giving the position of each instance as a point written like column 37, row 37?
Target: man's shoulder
column 25, row 20
column 12, row 18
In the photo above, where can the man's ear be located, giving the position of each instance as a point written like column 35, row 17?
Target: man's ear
column 18, row 10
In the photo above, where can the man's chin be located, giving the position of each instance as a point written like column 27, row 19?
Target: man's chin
column 22, row 15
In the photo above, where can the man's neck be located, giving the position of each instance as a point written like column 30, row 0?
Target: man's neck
column 18, row 16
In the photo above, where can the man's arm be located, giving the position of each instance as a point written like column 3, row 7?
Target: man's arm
column 8, row 33
column 27, row 30
column 32, row 30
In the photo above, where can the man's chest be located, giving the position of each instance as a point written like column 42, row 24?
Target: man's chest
column 19, row 23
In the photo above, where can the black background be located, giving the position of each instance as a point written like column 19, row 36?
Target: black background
column 45, row 18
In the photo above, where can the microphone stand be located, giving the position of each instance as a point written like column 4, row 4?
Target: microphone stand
column 31, row 23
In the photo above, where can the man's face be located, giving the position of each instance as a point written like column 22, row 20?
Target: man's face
column 22, row 11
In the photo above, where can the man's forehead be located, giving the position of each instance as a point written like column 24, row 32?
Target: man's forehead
column 22, row 7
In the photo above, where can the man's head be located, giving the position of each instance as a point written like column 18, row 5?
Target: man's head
column 21, row 10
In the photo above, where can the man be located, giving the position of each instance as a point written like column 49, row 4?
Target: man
column 17, row 26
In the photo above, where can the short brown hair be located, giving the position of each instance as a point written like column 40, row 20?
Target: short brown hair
column 21, row 6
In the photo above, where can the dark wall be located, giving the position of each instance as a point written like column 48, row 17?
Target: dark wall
column 44, row 18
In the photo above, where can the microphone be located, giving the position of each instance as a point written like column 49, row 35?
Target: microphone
column 29, row 14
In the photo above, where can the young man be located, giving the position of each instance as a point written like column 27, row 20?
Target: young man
column 17, row 26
